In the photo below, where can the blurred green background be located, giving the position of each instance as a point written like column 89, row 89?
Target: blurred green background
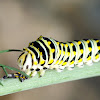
column 23, row 21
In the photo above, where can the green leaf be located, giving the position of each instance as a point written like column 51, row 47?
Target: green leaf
column 4, row 70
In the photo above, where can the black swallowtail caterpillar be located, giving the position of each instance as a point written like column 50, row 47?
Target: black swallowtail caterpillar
column 47, row 53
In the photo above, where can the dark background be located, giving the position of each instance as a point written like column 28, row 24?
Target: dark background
column 23, row 21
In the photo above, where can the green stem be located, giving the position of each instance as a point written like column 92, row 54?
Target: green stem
column 10, row 50
column 50, row 77
column 4, row 70
column 1, row 83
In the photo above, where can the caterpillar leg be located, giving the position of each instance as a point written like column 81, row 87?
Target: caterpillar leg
column 16, row 75
column 90, row 63
column 42, row 72
column 80, row 65
column 33, row 73
column 62, row 67
column 59, row 70
column 71, row 67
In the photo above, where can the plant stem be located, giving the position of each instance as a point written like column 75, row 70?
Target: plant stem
column 51, row 77
column 5, row 71
column 10, row 50
column 1, row 83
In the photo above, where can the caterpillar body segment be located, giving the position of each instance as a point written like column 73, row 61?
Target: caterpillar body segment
column 96, row 55
column 47, row 53
column 79, row 53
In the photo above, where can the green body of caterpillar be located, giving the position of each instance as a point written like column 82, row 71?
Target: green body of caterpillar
column 47, row 53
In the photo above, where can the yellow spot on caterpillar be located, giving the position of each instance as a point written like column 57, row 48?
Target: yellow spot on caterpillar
column 52, row 50
column 81, row 50
column 61, row 61
column 42, row 62
column 60, row 52
column 63, row 52
column 49, row 42
column 40, row 37
column 57, row 62
column 79, row 42
column 89, row 58
column 99, row 47
column 32, row 56
column 80, row 60
column 51, row 61
column 68, row 53
column 16, row 76
column 72, row 63
column 97, row 56
column 41, row 53
column 26, row 49
column 58, row 43
column 97, row 41
column 74, row 53
column 87, row 41
column 23, row 77
column 29, row 52
column 35, row 63
column 71, row 44
column 18, row 72
column 90, row 49
column 62, row 44
column 64, row 63
column 66, row 45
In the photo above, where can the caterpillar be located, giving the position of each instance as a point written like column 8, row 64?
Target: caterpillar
column 47, row 53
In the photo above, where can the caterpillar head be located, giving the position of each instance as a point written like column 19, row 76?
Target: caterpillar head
column 25, row 62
